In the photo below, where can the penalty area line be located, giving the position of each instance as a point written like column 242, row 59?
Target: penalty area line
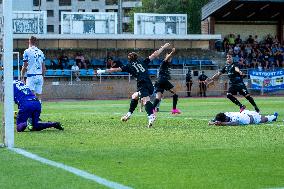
column 70, row 169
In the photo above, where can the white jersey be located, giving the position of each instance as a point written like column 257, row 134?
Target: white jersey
column 256, row 116
column 240, row 118
column 35, row 57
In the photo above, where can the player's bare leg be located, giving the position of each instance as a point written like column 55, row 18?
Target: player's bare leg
column 149, row 109
column 157, row 100
column 175, row 110
column 132, row 107
column 236, row 101
column 251, row 100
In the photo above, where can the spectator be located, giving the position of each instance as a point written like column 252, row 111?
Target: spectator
column 256, row 54
column 63, row 61
column 202, row 85
column 113, row 63
column 269, row 39
column 188, row 80
column 256, row 41
column 238, row 39
column 231, row 39
column 53, row 65
column 250, row 40
column 80, row 60
column 75, row 71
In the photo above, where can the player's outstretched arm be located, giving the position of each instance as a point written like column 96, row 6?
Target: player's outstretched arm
column 214, row 77
column 99, row 72
column 159, row 51
column 169, row 56
column 24, row 70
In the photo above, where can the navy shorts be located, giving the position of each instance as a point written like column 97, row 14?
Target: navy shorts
column 145, row 88
column 238, row 88
column 163, row 84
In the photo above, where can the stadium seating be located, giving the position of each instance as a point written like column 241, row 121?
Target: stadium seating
column 66, row 72
column 15, row 63
column 58, row 72
column 71, row 62
column 47, row 62
column 98, row 63
column 91, row 72
column 83, row 72
column 15, row 73
column 49, row 72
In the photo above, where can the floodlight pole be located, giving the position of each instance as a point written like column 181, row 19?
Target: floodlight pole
column 8, row 74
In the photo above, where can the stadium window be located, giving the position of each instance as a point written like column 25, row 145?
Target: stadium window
column 49, row 0
column 62, row 11
column 50, row 13
column 95, row 0
column 111, row 10
column 64, row 2
column 95, row 10
column 50, row 28
column 59, row 28
column 81, row 10
column 111, row 2
column 81, row 0
column 36, row 2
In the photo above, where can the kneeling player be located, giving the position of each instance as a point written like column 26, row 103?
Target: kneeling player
column 29, row 108
column 163, row 83
column 244, row 118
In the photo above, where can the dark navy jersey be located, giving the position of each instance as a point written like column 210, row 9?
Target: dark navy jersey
column 22, row 92
column 164, row 71
column 188, row 77
column 235, row 77
column 138, row 69
column 202, row 77
column 117, row 64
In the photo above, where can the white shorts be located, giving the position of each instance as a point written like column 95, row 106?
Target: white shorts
column 256, row 116
column 35, row 83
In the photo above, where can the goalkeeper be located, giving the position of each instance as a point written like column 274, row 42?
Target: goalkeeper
column 29, row 108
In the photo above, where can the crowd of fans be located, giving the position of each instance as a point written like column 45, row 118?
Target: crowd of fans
column 63, row 62
column 253, row 53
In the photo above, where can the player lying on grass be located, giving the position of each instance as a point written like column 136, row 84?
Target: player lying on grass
column 244, row 118
column 236, row 83
column 29, row 108
column 139, row 69
column 163, row 83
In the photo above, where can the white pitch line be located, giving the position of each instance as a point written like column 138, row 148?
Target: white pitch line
column 70, row 169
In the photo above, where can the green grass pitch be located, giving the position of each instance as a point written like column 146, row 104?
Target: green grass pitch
column 181, row 151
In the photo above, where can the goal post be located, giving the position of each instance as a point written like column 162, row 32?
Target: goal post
column 7, row 39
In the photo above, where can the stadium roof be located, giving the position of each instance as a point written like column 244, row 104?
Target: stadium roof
column 244, row 10
column 120, row 36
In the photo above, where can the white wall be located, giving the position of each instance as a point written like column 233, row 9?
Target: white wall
column 22, row 5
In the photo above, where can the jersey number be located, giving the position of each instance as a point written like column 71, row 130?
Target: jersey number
column 139, row 67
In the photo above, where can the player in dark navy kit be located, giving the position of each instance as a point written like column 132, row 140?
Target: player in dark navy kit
column 139, row 69
column 236, row 83
column 29, row 107
column 163, row 83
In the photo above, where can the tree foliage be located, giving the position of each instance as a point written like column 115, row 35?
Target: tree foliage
column 190, row 7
